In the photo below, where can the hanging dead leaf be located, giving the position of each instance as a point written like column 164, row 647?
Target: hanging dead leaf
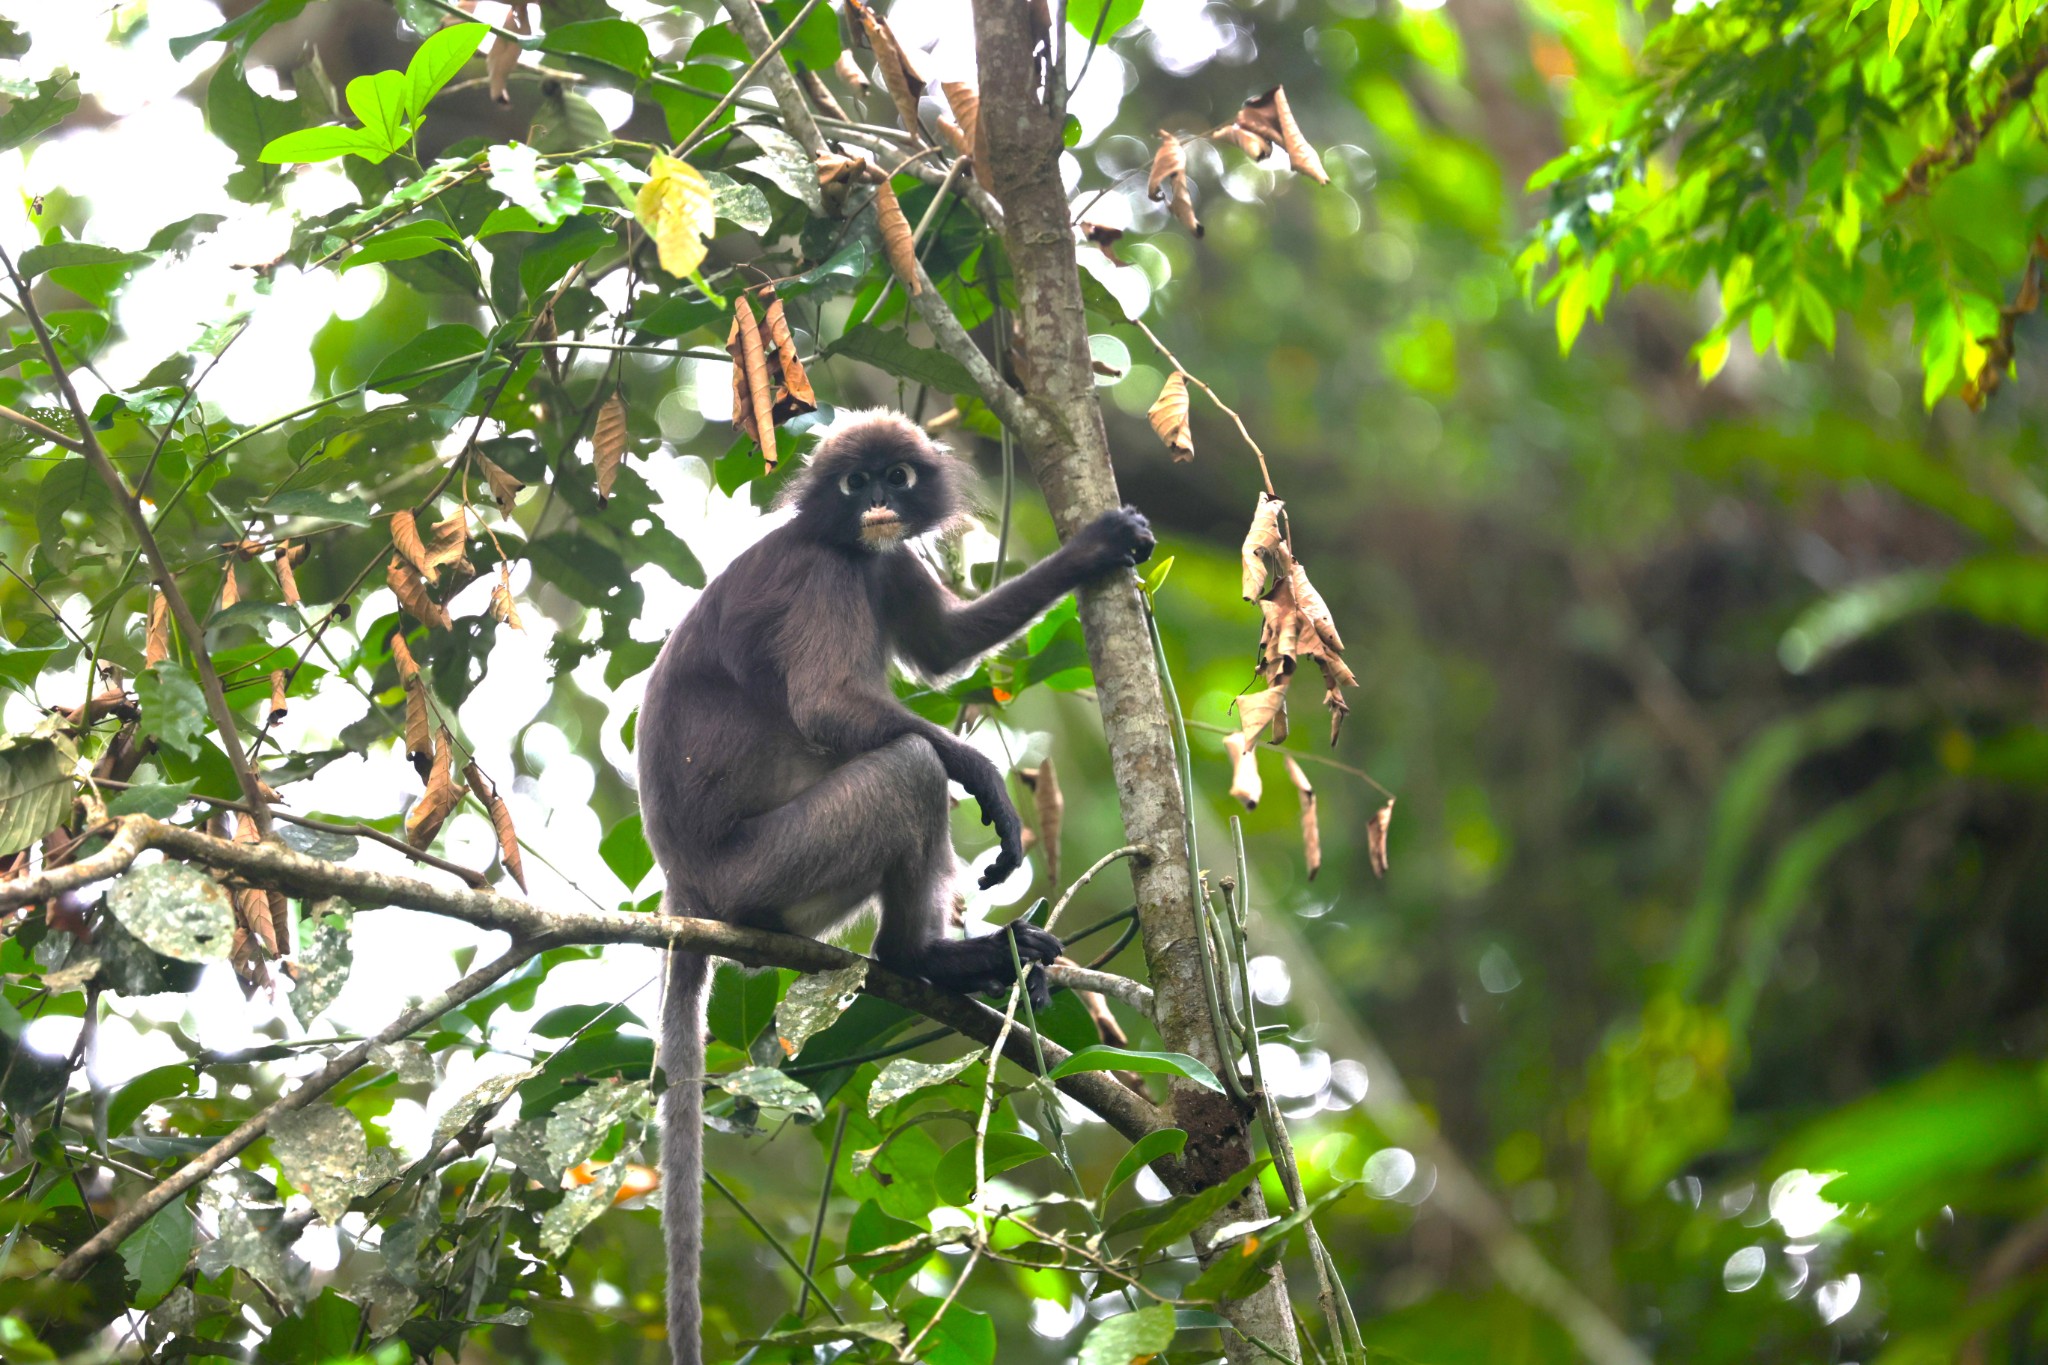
column 1168, row 165
column 546, row 332
column 401, row 655
column 1376, row 838
column 897, row 242
column 849, row 71
column 503, row 606
column 753, row 397
column 895, row 65
column 608, row 443
column 793, row 394
column 1051, row 805
column 1245, row 783
column 1259, row 710
column 839, row 174
column 419, row 730
column 1311, row 832
column 287, row 581
column 505, row 53
column 504, row 488
column 449, row 544
column 1297, row 624
column 1268, row 117
column 1169, row 417
column 1183, row 208
column 957, row 140
column 675, row 206
column 156, row 643
column 278, row 704
column 1249, row 142
column 1105, row 237
column 405, row 535
column 442, row 795
column 1262, row 549
column 252, row 903
column 820, row 94
column 965, row 102
column 405, row 582
column 501, row 820
column 230, row 589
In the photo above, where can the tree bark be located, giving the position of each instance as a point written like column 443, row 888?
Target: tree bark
column 1069, row 453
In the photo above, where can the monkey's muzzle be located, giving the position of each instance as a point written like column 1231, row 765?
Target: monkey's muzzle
column 880, row 524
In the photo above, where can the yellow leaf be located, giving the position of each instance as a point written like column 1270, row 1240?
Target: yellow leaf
column 1903, row 15
column 675, row 208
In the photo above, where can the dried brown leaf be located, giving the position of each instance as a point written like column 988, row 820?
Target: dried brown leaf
column 1169, row 417
column 1051, row 804
column 401, row 654
column 441, row 797
column 608, row 442
column 821, row 94
column 405, row 535
column 895, row 65
column 419, row 729
column 849, row 71
column 1263, row 570
column 897, row 243
column 1105, row 237
column 449, row 543
column 1267, row 116
column 253, row 903
column 503, row 605
column 501, row 820
column 156, row 644
column 1245, row 783
column 793, row 395
column 965, row 102
column 405, row 582
column 1168, row 165
column 287, row 581
column 504, row 488
column 278, row 704
column 753, row 397
column 1183, row 208
column 1311, row 831
column 505, row 54
column 1258, row 710
column 1247, row 141
column 956, row 139
column 230, row 589
column 1376, row 838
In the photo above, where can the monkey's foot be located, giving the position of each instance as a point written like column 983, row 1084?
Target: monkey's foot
column 979, row 966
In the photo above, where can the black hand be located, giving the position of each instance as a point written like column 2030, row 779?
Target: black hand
column 1009, row 831
column 1118, row 540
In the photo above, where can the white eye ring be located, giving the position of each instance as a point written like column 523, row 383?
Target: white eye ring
column 852, row 480
column 909, row 474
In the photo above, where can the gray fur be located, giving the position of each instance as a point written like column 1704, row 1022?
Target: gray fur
column 782, row 785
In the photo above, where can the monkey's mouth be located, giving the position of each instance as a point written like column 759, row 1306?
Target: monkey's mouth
column 880, row 523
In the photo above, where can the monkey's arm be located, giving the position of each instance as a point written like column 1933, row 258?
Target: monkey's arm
column 845, row 716
column 937, row 632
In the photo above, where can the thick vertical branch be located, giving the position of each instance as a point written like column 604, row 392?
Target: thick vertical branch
column 1069, row 452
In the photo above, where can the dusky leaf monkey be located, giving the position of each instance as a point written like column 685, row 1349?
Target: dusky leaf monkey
column 782, row 784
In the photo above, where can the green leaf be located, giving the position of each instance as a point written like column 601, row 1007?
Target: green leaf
column 451, row 341
column 241, row 30
column 319, row 503
column 816, row 44
column 158, row 800
column 892, row 351
column 1234, row 1269
column 1105, row 1058
column 1102, row 19
column 625, row 851
column 405, row 242
column 176, row 909
column 739, row 203
column 19, row 668
column 868, row 1234
column 742, row 1004
column 1146, row 1150
column 436, row 63
column 323, row 144
column 1004, row 1151
column 52, row 255
column 30, row 116
column 35, row 784
column 1129, row 1338
column 151, row 1087
column 964, row 1336
column 155, row 1253
column 173, row 708
column 380, row 100
column 771, row 1089
column 611, row 41
column 1191, row 1211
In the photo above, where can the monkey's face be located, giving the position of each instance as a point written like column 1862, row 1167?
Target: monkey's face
column 882, row 502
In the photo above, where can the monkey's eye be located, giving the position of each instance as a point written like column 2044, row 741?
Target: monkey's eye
column 902, row 476
column 854, row 482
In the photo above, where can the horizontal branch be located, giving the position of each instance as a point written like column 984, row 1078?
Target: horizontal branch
column 272, row 865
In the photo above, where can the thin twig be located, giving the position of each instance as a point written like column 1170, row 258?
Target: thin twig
column 50, row 434
column 803, row 1300
column 1231, row 412
column 780, row 1250
column 697, row 134
column 1138, row 851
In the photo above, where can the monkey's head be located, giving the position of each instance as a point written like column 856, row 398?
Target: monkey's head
column 875, row 482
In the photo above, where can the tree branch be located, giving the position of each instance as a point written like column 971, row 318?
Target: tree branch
column 117, row 1229
column 217, row 707
column 272, row 865
column 48, row 433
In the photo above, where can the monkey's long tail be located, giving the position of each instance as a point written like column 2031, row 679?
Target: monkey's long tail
column 682, row 1150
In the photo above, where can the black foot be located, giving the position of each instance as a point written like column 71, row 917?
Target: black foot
column 980, row 966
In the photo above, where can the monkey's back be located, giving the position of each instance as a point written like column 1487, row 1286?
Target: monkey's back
column 715, row 742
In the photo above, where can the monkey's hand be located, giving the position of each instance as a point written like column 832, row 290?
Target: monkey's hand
column 1036, row 946
column 1116, row 540
column 985, row 785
